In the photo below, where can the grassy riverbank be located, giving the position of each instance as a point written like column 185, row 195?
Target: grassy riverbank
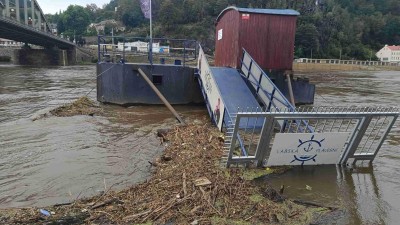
column 173, row 193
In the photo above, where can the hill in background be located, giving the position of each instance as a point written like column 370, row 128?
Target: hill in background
column 350, row 29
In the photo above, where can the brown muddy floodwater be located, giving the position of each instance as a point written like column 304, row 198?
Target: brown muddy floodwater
column 58, row 159
column 367, row 195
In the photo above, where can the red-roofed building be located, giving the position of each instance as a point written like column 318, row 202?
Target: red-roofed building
column 389, row 54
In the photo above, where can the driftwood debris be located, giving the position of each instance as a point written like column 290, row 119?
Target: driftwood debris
column 170, row 194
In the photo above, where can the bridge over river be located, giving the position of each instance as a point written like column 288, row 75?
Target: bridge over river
column 24, row 21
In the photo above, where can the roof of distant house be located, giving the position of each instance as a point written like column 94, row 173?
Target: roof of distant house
column 394, row 48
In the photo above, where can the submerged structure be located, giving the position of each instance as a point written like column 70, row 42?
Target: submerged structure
column 246, row 92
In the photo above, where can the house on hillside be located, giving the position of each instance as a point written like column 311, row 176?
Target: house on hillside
column 389, row 54
column 100, row 27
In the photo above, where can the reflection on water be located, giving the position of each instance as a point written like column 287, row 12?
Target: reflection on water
column 356, row 191
column 369, row 195
column 57, row 159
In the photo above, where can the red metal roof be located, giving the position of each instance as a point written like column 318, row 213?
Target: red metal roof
column 394, row 48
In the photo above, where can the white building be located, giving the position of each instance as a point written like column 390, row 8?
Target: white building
column 389, row 54
column 10, row 43
column 140, row 46
column 102, row 25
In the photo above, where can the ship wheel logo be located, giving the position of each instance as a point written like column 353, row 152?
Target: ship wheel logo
column 307, row 146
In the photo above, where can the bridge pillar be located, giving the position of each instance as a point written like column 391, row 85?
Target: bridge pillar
column 17, row 10
column 38, row 57
column 7, row 8
column 26, row 11
column 49, row 56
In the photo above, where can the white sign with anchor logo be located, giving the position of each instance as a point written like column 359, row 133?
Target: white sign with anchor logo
column 307, row 149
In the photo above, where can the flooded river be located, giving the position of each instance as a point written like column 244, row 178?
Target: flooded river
column 368, row 195
column 55, row 160
column 58, row 159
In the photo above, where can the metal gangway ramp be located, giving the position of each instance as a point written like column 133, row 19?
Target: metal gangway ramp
column 262, row 128
column 226, row 90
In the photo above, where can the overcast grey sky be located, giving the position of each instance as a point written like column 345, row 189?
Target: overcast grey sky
column 53, row 6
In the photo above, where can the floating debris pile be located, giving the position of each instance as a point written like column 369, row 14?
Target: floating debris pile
column 188, row 187
column 82, row 106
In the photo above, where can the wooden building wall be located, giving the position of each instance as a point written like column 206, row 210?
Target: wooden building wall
column 269, row 39
column 226, row 49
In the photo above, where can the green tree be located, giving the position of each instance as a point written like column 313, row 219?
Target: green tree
column 307, row 40
column 129, row 13
column 74, row 21
column 170, row 15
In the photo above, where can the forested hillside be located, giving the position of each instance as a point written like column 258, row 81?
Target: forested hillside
column 326, row 28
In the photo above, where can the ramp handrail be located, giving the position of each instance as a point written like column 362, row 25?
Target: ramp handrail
column 257, row 83
column 274, row 96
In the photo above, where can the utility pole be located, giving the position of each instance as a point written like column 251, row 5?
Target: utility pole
column 340, row 54
column 151, row 36
column 112, row 41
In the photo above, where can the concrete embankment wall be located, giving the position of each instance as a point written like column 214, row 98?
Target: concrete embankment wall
column 7, row 52
column 52, row 57
column 85, row 55
column 76, row 56
column 310, row 67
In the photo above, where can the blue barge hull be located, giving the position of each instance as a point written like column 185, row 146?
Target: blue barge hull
column 122, row 84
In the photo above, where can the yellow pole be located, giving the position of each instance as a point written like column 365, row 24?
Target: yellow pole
column 290, row 89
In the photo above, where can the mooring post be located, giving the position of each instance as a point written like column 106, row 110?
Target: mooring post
column 163, row 99
column 289, row 82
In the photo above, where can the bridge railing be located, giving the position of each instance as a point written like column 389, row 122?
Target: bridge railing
column 12, row 11
column 137, row 49
column 31, row 28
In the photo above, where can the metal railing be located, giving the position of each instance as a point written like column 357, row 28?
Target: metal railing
column 367, row 129
column 346, row 62
column 31, row 28
column 266, row 91
column 137, row 49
